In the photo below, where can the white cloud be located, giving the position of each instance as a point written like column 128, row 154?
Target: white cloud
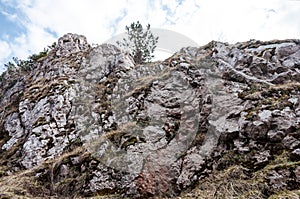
column 89, row 17
column 4, row 50
column 201, row 20
column 11, row 17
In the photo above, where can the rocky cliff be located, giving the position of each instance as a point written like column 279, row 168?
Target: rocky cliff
column 219, row 121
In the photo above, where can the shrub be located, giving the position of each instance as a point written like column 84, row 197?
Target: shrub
column 140, row 43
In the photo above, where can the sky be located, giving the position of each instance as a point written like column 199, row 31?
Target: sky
column 28, row 26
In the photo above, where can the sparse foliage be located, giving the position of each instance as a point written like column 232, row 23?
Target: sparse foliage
column 27, row 65
column 17, row 66
column 140, row 43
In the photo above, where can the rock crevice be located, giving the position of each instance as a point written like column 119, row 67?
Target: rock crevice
column 88, row 121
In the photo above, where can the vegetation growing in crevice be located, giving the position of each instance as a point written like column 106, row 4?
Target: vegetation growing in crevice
column 237, row 181
column 269, row 97
column 28, row 64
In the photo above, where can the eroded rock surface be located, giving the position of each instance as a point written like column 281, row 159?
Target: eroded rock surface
column 89, row 121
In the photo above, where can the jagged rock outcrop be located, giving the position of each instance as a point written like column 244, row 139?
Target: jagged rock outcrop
column 87, row 121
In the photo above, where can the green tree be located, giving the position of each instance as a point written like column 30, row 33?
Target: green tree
column 27, row 65
column 140, row 43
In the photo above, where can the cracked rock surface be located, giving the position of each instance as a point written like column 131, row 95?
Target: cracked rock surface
column 222, row 120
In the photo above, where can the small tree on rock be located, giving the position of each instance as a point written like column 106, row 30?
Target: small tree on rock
column 140, row 43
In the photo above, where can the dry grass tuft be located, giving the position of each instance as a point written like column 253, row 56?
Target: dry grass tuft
column 237, row 182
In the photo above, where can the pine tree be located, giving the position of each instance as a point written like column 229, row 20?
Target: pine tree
column 140, row 43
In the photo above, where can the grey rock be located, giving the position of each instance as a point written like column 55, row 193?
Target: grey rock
column 278, row 180
column 275, row 136
column 295, row 154
column 90, row 119
column 285, row 120
column 261, row 159
column 290, row 142
column 293, row 100
column 257, row 130
column 64, row 170
column 297, row 173
column 265, row 115
column 287, row 50
column 71, row 43
column 15, row 130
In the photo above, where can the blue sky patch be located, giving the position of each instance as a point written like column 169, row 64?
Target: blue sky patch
column 9, row 23
column 51, row 32
column 116, row 22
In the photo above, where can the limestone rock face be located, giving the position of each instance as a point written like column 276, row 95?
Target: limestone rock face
column 87, row 121
column 71, row 43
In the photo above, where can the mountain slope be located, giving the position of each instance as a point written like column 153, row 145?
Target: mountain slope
column 219, row 121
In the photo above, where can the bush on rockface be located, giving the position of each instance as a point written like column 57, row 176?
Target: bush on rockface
column 17, row 66
column 27, row 64
column 140, row 43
